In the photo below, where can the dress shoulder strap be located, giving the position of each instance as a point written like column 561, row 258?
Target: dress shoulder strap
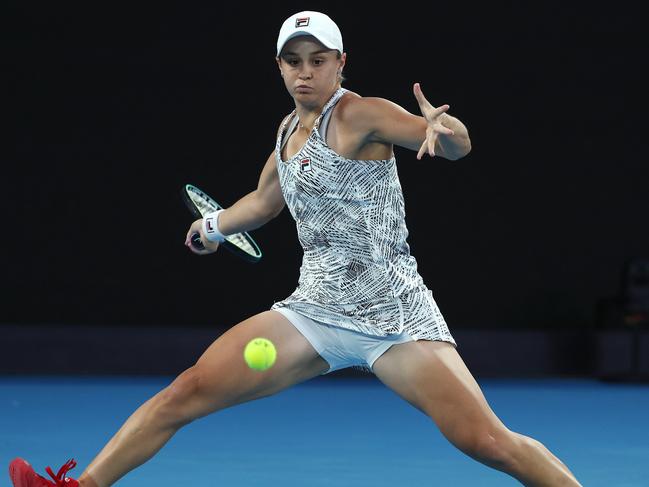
column 322, row 122
column 288, row 127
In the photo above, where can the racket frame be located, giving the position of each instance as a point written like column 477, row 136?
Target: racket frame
column 227, row 243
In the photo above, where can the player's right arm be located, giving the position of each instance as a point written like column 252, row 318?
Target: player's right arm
column 257, row 207
column 250, row 212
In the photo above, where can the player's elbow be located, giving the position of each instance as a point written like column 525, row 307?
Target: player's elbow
column 467, row 147
column 459, row 151
column 463, row 153
column 273, row 205
column 276, row 210
column 267, row 206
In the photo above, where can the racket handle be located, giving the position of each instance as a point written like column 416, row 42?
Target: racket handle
column 196, row 242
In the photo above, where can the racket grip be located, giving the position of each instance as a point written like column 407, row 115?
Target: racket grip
column 196, row 242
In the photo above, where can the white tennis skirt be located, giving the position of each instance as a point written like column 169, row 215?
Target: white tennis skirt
column 340, row 347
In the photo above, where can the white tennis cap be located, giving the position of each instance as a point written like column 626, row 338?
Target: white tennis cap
column 311, row 23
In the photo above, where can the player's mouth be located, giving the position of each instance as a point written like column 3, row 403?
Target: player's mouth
column 303, row 89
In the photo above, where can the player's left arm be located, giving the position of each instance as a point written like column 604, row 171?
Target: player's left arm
column 435, row 132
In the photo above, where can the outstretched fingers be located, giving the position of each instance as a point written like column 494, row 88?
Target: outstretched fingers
column 426, row 147
column 421, row 99
column 427, row 110
column 432, row 116
column 438, row 111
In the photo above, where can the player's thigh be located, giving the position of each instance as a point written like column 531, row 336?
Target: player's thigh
column 221, row 378
column 433, row 377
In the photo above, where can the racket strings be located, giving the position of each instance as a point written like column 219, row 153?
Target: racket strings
column 204, row 206
column 241, row 242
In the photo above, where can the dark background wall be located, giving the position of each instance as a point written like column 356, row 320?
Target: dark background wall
column 112, row 110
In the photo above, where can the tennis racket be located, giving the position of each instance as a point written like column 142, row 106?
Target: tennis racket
column 200, row 203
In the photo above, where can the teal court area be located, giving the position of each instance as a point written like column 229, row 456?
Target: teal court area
column 328, row 432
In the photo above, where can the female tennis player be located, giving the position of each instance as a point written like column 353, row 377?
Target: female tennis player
column 360, row 301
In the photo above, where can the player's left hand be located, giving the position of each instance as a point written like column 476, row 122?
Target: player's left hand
column 433, row 118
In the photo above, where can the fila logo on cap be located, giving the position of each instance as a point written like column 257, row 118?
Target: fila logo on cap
column 302, row 22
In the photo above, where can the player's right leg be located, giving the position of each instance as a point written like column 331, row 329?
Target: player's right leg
column 219, row 379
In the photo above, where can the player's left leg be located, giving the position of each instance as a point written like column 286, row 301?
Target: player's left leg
column 218, row 380
column 433, row 377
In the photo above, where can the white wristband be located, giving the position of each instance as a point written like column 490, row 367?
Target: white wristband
column 211, row 227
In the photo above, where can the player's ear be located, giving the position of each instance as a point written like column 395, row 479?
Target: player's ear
column 279, row 65
column 342, row 60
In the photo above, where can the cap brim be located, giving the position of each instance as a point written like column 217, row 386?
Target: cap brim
column 299, row 33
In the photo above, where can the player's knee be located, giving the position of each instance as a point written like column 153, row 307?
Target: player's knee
column 496, row 448
column 179, row 403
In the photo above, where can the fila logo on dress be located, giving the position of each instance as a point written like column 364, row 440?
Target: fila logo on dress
column 305, row 164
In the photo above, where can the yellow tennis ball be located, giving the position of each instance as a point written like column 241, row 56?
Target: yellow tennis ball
column 260, row 353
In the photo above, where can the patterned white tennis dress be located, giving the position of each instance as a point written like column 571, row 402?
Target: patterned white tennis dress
column 357, row 272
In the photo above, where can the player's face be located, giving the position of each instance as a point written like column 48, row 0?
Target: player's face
column 310, row 70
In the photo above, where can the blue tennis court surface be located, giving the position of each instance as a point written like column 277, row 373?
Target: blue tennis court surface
column 328, row 432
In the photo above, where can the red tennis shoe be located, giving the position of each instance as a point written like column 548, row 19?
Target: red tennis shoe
column 22, row 475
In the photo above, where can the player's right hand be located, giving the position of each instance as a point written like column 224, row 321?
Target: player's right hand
column 196, row 228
